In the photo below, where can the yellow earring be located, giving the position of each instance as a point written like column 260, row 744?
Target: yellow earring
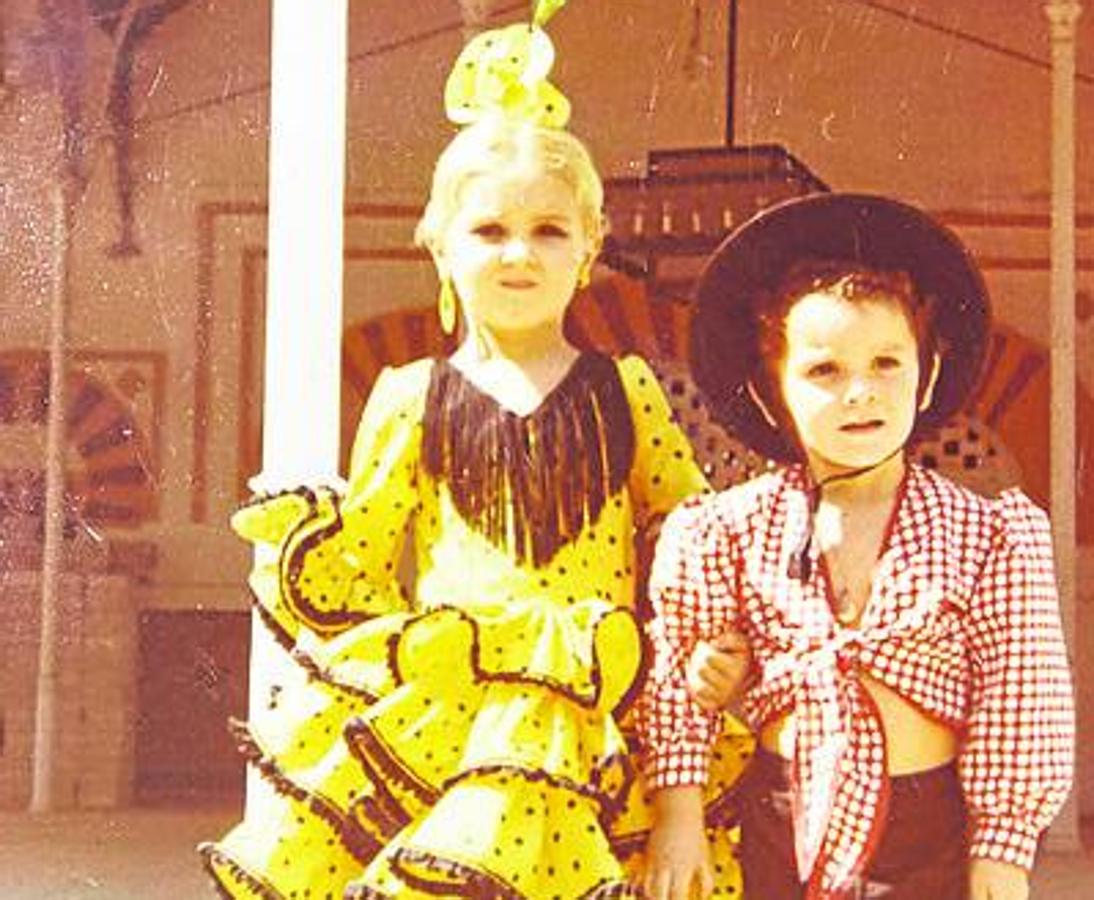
column 585, row 274
column 446, row 306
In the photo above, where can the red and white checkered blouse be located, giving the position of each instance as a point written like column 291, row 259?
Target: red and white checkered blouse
column 963, row 622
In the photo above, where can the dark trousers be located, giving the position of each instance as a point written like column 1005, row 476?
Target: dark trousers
column 922, row 854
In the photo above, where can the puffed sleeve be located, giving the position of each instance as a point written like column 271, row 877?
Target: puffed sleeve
column 335, row 554
column 665, row 471
column 692, row 596
column 1016, row 764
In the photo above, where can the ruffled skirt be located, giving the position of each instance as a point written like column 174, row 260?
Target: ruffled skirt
column 468, row 753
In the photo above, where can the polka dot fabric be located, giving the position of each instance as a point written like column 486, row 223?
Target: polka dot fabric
column 470, row 736
column 963, row 622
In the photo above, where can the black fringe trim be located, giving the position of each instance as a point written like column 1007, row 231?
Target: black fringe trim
column 361, row 845
column 530, row 484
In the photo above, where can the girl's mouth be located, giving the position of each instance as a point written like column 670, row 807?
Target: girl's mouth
column 862, row 427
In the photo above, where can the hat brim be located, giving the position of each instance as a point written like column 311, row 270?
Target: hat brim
column 875, row 231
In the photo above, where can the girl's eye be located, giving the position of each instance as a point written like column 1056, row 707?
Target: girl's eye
column 821, row 370
column 551, row 231
column 887, row 363
column 489, row 231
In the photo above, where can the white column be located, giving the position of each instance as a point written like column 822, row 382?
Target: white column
column 1062, row 16
column 304, row 295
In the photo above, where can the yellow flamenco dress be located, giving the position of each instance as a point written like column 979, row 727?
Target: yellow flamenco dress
column 471, row 740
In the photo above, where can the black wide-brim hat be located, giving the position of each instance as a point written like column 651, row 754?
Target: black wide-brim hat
column 875, row 231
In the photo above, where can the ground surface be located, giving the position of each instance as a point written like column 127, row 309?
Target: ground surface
column 147, row 854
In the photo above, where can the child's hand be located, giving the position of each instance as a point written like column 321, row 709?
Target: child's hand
column 716, row 671
column 677, row 855
column 990, row 879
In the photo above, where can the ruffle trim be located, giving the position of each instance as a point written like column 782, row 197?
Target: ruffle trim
column 246, row 522
column 467, row 881
column 361, row 845
column 587, row 700
column 249, row 524
column 369, row 748
column 311, row 668
column 212, row 857
column 382, row 809
column 322, row 505
column 275, row 629
column 458, row 878
column 315, row 672
column 389, row 817
column 610, row 807
column 381, row 813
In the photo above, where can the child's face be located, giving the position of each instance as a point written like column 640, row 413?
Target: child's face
column 849, row 380
column 514, row 249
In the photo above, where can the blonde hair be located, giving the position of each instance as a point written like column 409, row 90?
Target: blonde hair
column 490, row 145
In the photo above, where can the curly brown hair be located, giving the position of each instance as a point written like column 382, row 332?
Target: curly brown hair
column 850, row 281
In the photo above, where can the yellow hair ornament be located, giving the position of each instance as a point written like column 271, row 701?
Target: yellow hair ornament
column 544, row 9
column 504, row 72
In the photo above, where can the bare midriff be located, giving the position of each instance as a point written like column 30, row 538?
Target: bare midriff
column 914, row 741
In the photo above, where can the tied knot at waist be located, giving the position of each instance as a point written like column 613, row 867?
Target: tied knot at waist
column 807, row 663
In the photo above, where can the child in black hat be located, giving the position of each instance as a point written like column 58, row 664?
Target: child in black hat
column 909, row 685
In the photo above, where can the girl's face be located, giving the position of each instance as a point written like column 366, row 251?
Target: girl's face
column 849, row 380
column 514, row 249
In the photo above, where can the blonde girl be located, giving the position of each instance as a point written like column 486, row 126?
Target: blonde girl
column 468, row 736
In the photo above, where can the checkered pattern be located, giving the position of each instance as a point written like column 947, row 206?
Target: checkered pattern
column 963, row 623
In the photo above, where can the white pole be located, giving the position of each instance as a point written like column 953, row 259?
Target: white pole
column 1062, row 16
column 44, row 781
column 304, row 295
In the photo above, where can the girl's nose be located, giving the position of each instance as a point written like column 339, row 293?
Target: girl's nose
column 515, row 249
